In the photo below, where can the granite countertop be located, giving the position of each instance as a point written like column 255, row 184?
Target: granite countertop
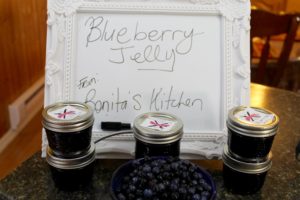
column 32, row 180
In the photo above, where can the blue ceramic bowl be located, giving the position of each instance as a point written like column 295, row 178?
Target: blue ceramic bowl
column 125, row 169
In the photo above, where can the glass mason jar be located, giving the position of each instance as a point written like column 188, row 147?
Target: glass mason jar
column 71, row 173
column 157, row 134
column 251, row 132
column 68, row 126
column 242, row 177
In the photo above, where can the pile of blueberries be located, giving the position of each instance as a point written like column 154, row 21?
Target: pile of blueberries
column 164, row 178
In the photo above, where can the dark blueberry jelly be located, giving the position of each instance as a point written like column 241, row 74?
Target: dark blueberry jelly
column 157, row 134
column 68, row 126
column 143, row 149
column 72, row 173
column 72, row 179
column 242, row 183
column 242, row 177
column 69, row 144
column 250, row 148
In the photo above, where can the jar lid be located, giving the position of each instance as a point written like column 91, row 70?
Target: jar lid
column 252, row 121
column 71, row 163
column 67, row 117
column 157, row 128
column 244, row 166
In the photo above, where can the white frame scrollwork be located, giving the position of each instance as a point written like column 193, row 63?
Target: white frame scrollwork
column 60, row 50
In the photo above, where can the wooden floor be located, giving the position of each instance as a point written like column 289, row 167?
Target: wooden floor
column 21, row 148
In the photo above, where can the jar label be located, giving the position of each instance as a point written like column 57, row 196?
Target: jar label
column 158, row 124
column 252, row 116
column 66, row 113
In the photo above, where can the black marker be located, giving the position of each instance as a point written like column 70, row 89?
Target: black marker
column 115, row 126
column 298, row 151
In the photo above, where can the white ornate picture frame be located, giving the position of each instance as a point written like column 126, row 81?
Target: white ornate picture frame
column 78, row 59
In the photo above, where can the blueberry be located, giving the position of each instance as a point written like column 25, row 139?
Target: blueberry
column 182, row 190
column 148, row 193
column 149, row 175
column 174, row 186
column 152, row 183
column 159, row 177
column 131, row 196
column 202, row 181
column 166, row 183
column 155, row 163
column 135, row 163
column 147, row 159
column 176, row 180
column 161, row 187
column 135, row 180
column 183, row 167
column 121, row 196
column 174, row 166
column 146, row 169
column 196, row 197
column 155, row 170
column 132, row 188
column 206, row 186
column 175, row 195
column 139, row 192
column 184, row 175
column 140, row 173
column 167, row 167
column 205, row 193
column 199, row 188
column 194, row 182
column 204, row 197
column 185, row 162
column 192, row 190
column 197, row 175
column 192, row 168
column 200, row 175
column 165, row 195
column 161, row 161
column 166, row 175
column 143, row 181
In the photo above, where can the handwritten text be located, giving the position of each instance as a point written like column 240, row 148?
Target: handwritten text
column 140, row 46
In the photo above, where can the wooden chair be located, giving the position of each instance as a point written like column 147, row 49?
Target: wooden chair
column 265, row 25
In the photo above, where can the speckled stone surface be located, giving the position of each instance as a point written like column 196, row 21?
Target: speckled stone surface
column 32, row 180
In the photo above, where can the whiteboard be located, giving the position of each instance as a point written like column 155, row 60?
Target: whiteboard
column 126, row 58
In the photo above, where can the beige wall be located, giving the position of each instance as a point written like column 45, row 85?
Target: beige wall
column 273, row 5
column 278, row 5
column 293, row 6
